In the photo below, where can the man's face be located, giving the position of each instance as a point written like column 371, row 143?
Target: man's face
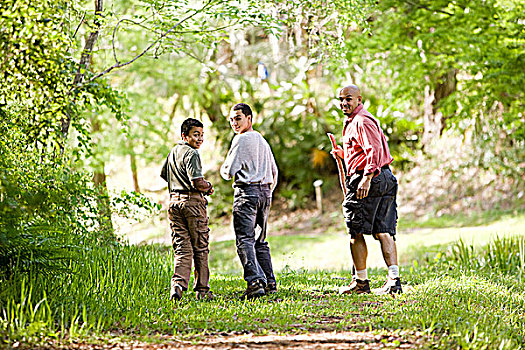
column 195, row 137
column 349, row 99
column 239, row 122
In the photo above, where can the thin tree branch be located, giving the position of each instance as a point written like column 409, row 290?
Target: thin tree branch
column 428, row 8
column 84, row 63
column 115, row 31
column 78, row 27
column 207, row 31
column 119, row 65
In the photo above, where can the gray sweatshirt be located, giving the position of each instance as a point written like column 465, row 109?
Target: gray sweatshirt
column 250, row 160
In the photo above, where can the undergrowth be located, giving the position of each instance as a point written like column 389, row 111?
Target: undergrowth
column 463, row 297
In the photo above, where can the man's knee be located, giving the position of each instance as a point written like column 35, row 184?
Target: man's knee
column 356, row 237
column 382, row 236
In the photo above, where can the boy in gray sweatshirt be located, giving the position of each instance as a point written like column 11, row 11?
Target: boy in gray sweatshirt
column 250, row 162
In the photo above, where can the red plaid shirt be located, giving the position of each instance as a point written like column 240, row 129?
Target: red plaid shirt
column 364, row 143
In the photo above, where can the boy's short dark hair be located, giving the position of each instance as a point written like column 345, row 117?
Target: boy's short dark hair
column 188, row 124
column 244, row 108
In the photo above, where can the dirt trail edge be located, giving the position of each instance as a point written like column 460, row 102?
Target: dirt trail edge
column 317, row 340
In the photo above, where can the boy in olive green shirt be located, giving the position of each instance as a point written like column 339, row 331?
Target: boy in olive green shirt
column 187, row 212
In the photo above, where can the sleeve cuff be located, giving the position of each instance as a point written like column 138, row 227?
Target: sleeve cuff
column 372, row 170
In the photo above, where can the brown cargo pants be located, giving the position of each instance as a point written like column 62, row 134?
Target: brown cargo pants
column 189, row 235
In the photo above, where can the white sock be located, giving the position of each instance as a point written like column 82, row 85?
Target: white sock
column 361, row 275
column 393, row 272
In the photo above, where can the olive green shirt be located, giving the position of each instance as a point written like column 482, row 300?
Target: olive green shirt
column 182, row 165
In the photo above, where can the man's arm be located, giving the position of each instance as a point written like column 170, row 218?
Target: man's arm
column 164, row 171
column 370, row 141
column 232, row 164
column 275, row 173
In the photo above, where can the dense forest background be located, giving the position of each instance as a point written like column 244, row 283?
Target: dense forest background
column 92, row 94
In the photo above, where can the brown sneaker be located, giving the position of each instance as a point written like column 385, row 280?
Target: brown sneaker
column 204, row 295
column 176, row 291
column 391, row 286
column 356, row 287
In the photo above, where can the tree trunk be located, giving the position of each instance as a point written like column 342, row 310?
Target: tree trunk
column 433, row 119
column 445, row 87
column 85, row 59
column 133, row 160
column 103, row 203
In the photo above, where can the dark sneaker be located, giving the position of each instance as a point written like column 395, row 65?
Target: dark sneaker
column 391, row 286
column 271, row 288
column 356, row 287
column 254, row 290
column 204, row 295
column 175, row 292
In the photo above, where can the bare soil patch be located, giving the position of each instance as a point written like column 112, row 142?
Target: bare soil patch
column 317, row 340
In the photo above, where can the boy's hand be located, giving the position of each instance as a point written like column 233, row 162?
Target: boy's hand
column 202, row 185
column 210, row 191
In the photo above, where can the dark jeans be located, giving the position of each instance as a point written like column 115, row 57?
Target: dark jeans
column 251, row 206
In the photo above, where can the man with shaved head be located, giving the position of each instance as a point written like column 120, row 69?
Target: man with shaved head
column 369, row 206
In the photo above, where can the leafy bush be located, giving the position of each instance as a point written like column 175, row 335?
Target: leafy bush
column 42, row 206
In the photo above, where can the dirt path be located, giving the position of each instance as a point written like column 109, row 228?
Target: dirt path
column 318, row 340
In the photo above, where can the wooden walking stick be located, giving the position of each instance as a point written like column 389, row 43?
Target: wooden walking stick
column 342, row 177
column 339, row 161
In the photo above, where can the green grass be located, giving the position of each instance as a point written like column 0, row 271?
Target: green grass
column 330, row 250
column 459, row 295
column 475, row 218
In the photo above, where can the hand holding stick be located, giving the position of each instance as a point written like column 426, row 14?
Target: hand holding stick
column 339, row 161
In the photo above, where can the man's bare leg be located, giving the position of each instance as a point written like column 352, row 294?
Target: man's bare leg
column 359, row 251
column 360, row 283
column 388, row 248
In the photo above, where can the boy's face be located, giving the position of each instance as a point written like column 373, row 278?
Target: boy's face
column 195, row 137
column 239, row 122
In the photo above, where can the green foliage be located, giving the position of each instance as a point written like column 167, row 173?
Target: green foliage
column 41, row 203
column 133, row 205
column 446, row 299
column 35, row 67
column 413, row 50
column 49, row 209
column 504, row 255
column 441, row 301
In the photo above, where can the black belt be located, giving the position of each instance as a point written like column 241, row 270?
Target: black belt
column 361, row 172
column 258, row 184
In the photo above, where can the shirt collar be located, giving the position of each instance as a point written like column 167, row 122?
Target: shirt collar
column 182, row 142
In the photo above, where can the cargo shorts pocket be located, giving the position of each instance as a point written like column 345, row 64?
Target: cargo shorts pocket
column 353, row 214
column 377, row 186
